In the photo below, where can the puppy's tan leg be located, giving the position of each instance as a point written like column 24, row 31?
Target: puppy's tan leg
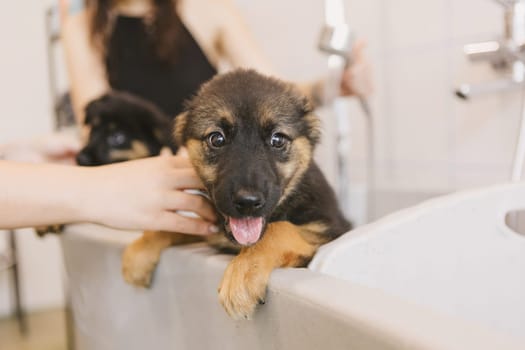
column 141, row 257
column 283, row 245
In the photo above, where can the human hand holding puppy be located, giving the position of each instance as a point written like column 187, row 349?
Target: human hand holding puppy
column 140, row 195
column 151, row 195
column 357, row 77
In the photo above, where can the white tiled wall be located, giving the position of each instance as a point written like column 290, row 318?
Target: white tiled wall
column 438, row 142
column 26, row 106
column 430, row 133
column 427, row 140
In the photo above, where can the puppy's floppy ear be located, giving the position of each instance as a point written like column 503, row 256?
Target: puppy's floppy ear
column 89, row 114
column 94, row 109
column 314, row 127
column 180, row 126
column 312, row 120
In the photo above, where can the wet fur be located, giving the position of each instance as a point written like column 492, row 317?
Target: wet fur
column 299, row 208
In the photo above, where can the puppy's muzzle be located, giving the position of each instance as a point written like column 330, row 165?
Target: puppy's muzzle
column 84, row 158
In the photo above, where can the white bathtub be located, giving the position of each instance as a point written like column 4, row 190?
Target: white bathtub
column 453, row 255
column 444, row 275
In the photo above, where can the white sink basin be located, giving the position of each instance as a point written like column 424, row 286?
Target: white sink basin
column 453, row 255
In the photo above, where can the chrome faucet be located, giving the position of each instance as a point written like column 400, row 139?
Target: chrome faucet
column 506, row 55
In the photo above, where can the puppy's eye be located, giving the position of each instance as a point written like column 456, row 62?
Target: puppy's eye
column 278, row 140
column 216, row 139
column 116, row 139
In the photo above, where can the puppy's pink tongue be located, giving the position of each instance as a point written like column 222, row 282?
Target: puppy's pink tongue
column 246, row 230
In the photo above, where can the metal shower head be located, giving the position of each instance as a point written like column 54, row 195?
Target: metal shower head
column 337, row 40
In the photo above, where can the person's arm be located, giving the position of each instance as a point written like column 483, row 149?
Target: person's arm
column 236, row 42
column 240, row 48
column 57, row 147
column 85, row 66
column 141, row 195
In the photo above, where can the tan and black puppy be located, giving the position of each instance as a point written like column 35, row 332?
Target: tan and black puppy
column 251, row 140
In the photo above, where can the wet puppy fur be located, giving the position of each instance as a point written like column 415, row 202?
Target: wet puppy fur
column 251, row 140
column 124, row 127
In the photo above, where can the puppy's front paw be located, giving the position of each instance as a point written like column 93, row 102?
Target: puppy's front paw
column 41, row 231
column 138, row 263
column 243, row 287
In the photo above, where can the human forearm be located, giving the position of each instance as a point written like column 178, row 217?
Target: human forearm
column 143, row 194
column 84, row 63
column 44, row 194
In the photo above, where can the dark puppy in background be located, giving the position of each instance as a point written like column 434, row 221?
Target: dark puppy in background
column 124, row 127
column 251, row 140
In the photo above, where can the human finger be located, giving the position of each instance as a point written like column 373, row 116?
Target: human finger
column 173, row 222
column 178, row 162
column 165, row 151
column 177, row 200
column 183, row 152
column 57, row 144
column 357, row 79
column 185, row 179
column 358, row 49
column 362, row 79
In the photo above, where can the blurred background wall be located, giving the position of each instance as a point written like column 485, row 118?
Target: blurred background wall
column 427, row 141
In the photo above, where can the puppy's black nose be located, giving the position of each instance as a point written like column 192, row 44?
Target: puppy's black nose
column 84, row 159
column 247, row 202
